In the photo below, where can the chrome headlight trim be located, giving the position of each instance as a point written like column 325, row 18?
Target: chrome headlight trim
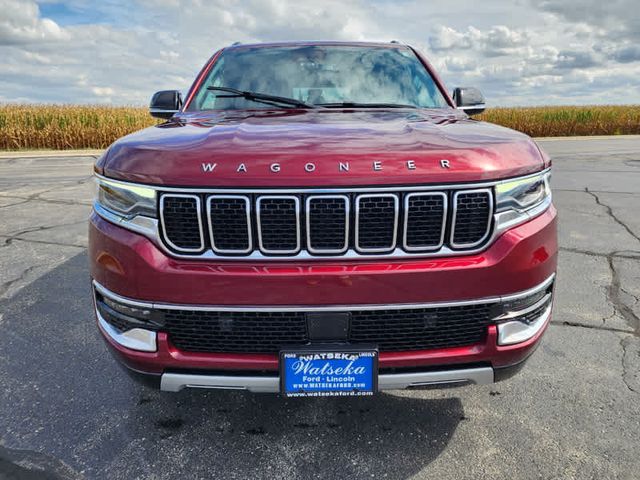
column 143, row 225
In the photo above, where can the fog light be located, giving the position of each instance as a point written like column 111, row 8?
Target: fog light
column 139, row 313
column 125, row 316
column 132, row 325
column 520, row 326
column 519, row 304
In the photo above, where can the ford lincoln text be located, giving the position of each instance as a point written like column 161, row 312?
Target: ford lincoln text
column 322, row 218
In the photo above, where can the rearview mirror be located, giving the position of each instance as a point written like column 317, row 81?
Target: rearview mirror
column 469, row 99
column 165, row 104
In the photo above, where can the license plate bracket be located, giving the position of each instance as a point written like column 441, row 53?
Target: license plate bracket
column 329, row 371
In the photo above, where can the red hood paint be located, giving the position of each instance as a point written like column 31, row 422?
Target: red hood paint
column 173, row 153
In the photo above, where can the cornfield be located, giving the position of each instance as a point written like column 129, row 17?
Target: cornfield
column 568, row 121
column 62, row 127
column 77, row 127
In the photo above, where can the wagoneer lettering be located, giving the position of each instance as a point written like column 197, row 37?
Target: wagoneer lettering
column 311, row 166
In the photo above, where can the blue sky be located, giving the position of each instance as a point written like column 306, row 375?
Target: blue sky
column 523, row 52
column 67, row 14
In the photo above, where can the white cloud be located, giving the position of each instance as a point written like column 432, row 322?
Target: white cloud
column 20, row 24
column 447, row 38
column 458, row 64
column 103, row 91
column 496, row 41
column 618, row 17
column 529, row 52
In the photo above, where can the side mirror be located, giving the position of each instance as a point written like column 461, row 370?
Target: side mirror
column 165, row 104
column 469, row 99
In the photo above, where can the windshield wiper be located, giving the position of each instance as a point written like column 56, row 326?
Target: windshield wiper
column 261, row 97
column 364, row 105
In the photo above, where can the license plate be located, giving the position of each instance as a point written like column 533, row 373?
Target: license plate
column 328, row 373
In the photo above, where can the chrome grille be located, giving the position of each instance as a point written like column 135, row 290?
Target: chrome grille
column 324, row 224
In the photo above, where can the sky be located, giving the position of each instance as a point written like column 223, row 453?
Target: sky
column 519, row 52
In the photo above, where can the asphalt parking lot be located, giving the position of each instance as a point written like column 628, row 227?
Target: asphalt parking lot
column 67, row 411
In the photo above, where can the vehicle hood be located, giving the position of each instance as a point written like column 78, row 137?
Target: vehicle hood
column 378, row 147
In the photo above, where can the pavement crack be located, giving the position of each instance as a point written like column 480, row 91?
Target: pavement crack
column 16, row 203
column 16, row 236
column 630, row 294
column 581, row 190
column 611, row 214
column 38, row 195
column 4, row 287
column 589, row 327
column 614, row 291
column 627, row 375
column 29, row 464
column 43, row 242
column 45, row 200
column 613, row 314
column 628, row 254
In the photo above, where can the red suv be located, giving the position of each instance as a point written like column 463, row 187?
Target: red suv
column 322, row 219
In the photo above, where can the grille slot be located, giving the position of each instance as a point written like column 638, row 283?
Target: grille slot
column 182, row 222
column 376, row 222
column 278, row 224
column 229, row 223
column 471, row 218
column 327, row 224
column 425, row 216
column 270, row 331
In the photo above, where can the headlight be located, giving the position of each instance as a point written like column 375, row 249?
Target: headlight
column 126, row 200
column 523, row 193
column 521, row 199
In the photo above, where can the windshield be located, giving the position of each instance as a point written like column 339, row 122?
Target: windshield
column 319, row 75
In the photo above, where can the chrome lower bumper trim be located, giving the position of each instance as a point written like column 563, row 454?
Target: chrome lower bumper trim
column 400, row 381
column 135, row 339
column 514, row 332
column 174, row 382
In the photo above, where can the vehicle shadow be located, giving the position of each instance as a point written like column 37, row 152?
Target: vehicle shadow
column 65, row 397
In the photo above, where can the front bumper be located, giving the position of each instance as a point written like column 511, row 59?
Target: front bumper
column 130, row 266
column 151, row 353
